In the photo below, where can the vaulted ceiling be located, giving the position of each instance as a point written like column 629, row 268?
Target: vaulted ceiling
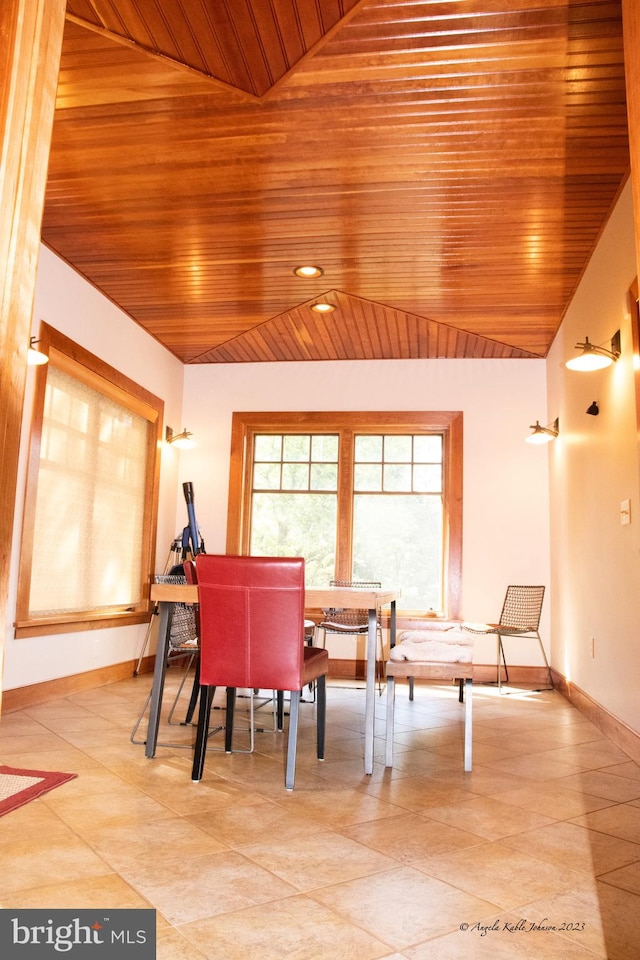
column 449, row 165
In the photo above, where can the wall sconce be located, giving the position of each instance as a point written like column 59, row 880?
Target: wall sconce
column 543, row 434
column 594, row 409
column 35, row 357
column 183, row 441
column 595, row 358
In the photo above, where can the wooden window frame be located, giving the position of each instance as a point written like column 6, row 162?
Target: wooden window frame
column 449, row 423
column 70, row 358
column 634, row 310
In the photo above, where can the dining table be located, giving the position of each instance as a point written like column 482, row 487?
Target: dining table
column 353, row 598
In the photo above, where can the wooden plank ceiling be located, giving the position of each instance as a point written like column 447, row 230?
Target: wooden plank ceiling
column 449, row 165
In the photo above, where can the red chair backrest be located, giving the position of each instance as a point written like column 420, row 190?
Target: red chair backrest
column 251, row 621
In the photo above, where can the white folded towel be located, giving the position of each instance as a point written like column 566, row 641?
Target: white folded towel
column 451, row 646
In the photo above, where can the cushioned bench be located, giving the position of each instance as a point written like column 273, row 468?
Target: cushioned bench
column 441, row 652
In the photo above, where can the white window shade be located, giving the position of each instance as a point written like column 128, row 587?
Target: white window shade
column 88, row 536
column 89, row 508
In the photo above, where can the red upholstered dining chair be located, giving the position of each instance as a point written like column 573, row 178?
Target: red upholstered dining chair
column 252, row 636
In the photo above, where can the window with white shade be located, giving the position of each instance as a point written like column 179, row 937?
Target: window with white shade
column 90, row 510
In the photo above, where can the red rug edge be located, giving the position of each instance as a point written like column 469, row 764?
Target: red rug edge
column 49, row 781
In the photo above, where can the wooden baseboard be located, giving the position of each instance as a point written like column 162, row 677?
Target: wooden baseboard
column 346, row 669
column 21, row 697
column 29, row 696
column 618, row 732
column 613, row 728
column 482, row 673
column 527, row 676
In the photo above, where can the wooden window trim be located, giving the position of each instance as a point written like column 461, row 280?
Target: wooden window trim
column 450, row 423
column 69, row 357
column 634, row 310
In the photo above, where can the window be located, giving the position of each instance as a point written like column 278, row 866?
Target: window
column 362, row 496
column 294, row 500
column 90, row 510
column 398, row 515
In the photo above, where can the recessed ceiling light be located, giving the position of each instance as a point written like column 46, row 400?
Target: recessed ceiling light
column 308, row 272
column 323, row 307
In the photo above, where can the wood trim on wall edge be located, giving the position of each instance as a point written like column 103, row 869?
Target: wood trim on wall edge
column 21, row 697
column 618, row 732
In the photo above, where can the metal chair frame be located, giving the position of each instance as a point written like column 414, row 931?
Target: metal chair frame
column 520, row 617
column 352, row 622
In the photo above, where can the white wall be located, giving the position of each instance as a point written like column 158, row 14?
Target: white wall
column 505, row 521
column 594, row 466
column 71, row 305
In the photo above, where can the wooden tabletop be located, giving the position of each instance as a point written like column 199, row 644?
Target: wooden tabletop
column 348, row 597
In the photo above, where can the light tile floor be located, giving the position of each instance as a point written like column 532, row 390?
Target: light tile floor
column 535, row 854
